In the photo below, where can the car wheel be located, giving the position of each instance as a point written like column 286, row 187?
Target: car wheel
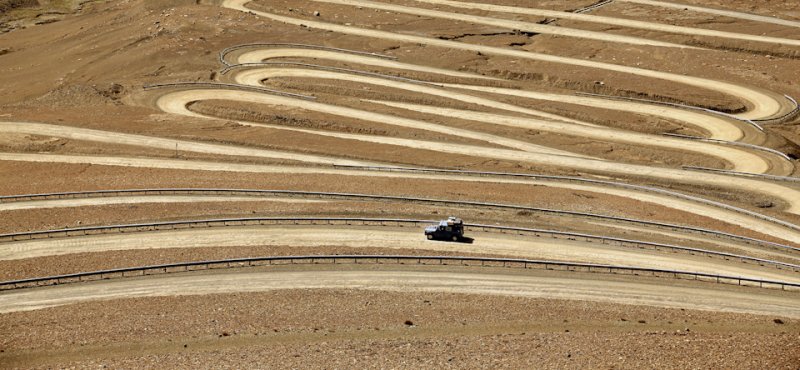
column 455, row 238
column 430, row 237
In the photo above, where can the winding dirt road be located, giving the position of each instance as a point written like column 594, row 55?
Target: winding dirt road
column 176, row 103
column 742, row 160
column 762, row 104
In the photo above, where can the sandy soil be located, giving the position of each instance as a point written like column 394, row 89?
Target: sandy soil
column 494, row 85
column 363, row 328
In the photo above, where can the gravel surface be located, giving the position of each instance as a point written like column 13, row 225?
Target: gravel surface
column 335, row 328
column 85, row 68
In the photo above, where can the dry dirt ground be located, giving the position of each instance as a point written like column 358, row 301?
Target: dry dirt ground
column 283, row 94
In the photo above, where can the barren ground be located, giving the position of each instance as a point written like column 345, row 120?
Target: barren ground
column 490, row 85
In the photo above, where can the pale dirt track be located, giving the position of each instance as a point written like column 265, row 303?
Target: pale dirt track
column 383, row 237
column 267, row 54
column 160, row 199
column 727, row 13
column 281, row 51
column 176, row 103
column 504, row 23
column 531, row 284
column 742, row 160
column 254, row 77
column 719, row 128
column 76, row 133
column 761, row 226
column 745, row 249
column 652, row 26
column 762, row 104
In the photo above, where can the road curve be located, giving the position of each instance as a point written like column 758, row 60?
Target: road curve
column 742, row 160
column 762, row 104
column 254, row 76
column 718, row 127
column 533, row 284
column 176, row 103
column 724, row 215
column 261, row 54
column 269, row 54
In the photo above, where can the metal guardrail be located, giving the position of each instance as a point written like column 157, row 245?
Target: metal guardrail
column 743, row 174
column 649, row 189
column 228, row 86
column 252, row 221
column 735, row 143
column 228, row 50
column 385, row 259
column 786, row 117
column 594, row 6
column 291, row 193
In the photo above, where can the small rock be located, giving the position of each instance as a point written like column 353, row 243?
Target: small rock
column 778, row 321
column 316, row 13
column 765, row 204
